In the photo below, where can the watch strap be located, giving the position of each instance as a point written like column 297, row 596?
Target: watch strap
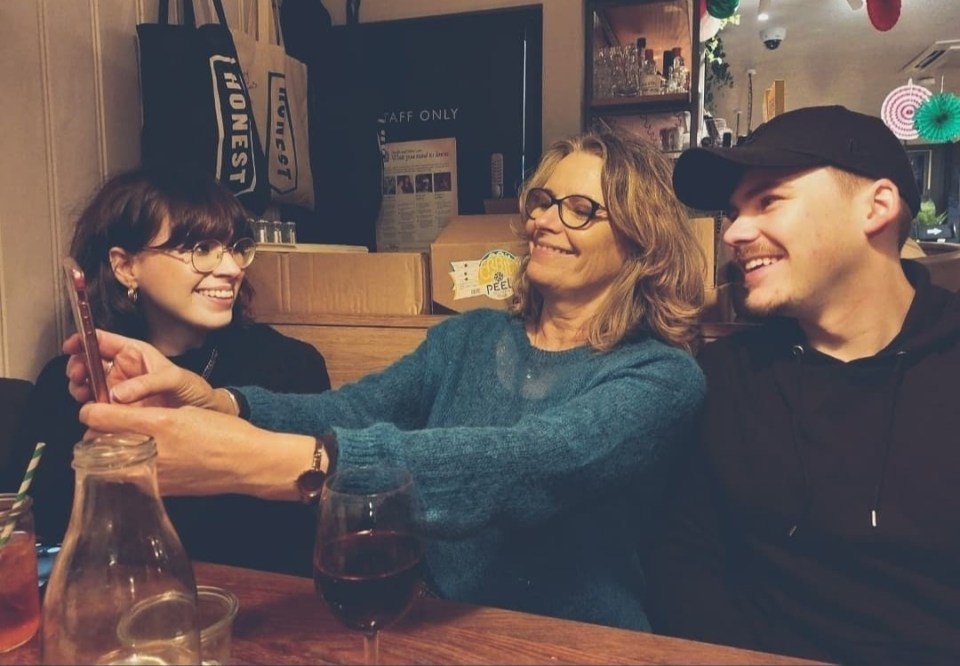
column 240, row 400
column 310, row 482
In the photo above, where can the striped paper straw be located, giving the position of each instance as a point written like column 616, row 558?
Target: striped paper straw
column 22, row 492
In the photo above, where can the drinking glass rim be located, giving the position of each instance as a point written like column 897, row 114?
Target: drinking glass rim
column 232, row 604
column 404, row 477
column 7, row 510
column 113, row 450
column 132, row 614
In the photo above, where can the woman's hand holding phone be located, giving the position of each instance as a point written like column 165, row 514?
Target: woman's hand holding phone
column 87, row 333
column 139, row 374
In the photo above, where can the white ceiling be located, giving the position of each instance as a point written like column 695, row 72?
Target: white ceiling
column 834, row 55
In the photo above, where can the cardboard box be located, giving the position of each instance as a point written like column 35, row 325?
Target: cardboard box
column 473, row 262
column 709, row 232
column 309, row 280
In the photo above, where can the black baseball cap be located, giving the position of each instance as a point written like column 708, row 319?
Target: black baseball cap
column 705, row 178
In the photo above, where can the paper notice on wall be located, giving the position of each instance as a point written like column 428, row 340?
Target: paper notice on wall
column 419, row 193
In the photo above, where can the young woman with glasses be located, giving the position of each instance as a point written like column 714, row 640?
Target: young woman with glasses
column 540, row 439
column 164, row 254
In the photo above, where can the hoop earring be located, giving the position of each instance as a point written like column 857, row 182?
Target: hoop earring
column 133, row 294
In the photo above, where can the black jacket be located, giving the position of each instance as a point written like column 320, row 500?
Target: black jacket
column 228, row 529
column 821, row 515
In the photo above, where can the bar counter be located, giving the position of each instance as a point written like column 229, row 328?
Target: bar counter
column 282, row 621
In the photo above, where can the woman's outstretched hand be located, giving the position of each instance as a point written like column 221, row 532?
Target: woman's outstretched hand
column 200, row 452
column 137, row 374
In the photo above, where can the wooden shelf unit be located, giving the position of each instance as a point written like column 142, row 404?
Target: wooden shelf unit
column 664, row 24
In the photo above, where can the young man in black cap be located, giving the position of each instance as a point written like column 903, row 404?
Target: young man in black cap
column 820, row 515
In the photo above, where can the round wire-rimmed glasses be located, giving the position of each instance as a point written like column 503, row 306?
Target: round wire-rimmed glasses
column 206, row 255
column 576, row 210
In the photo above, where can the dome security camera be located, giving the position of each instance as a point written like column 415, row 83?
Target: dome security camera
column 773, row 37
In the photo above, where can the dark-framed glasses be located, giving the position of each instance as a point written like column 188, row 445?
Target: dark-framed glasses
column 206, row 255
column 576, row 210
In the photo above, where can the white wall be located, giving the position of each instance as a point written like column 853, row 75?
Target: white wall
column 832, row 55
column 68, row 70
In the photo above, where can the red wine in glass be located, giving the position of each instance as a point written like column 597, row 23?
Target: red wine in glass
column 369, row 578
column 367, row 555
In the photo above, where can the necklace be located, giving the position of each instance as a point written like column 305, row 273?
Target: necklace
column 208, row 368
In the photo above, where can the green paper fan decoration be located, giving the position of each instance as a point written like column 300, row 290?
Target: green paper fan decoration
column 722, row 9
column 937, row 120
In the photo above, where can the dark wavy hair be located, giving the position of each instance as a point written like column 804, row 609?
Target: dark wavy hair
column 128, row 211
column 659, row 290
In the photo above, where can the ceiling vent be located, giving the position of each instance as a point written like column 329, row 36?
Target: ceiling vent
column 942, row 54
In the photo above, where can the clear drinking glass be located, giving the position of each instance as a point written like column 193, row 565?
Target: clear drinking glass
column 367, row 556
column 19, row 591
column 216, row 608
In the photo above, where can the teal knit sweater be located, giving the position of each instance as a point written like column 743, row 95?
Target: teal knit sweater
column 539, row 471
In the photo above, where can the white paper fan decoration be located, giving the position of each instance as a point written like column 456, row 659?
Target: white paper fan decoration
column 900, row 106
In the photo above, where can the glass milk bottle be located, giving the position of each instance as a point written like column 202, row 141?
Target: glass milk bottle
column 122, row 589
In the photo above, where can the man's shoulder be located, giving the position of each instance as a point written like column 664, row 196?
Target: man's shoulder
column 777, row 334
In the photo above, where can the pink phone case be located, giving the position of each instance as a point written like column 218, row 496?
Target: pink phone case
column 77, row 289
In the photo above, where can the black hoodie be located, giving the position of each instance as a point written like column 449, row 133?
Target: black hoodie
column 820, row 516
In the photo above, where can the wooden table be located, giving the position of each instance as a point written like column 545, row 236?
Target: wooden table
column 282, row 621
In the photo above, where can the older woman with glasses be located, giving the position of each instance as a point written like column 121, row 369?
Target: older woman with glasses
column 540, row 438
column 164, row 255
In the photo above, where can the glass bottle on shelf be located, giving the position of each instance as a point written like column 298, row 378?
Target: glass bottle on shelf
column 602, row 73
column 667, row 71
column 122, row 589
column 680, row 75
column 641, row 45
column 651, row 83
column 627, row 71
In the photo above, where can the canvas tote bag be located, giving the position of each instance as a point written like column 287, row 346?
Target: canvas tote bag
column 278, row 90
column 197, row 112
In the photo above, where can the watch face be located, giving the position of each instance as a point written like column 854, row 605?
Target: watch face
column 310, row 483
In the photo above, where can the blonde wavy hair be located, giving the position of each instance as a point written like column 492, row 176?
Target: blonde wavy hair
column 659, row 291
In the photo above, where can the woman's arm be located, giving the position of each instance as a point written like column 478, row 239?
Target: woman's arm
column 593, row 446
column 200, row 452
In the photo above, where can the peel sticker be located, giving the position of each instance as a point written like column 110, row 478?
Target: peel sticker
column 492, row 276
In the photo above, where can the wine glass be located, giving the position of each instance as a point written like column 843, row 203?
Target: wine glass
column 366, row 562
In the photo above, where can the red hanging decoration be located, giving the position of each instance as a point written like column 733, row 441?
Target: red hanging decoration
column 884, row 14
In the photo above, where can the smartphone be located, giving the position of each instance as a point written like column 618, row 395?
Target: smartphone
column 77, row 289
